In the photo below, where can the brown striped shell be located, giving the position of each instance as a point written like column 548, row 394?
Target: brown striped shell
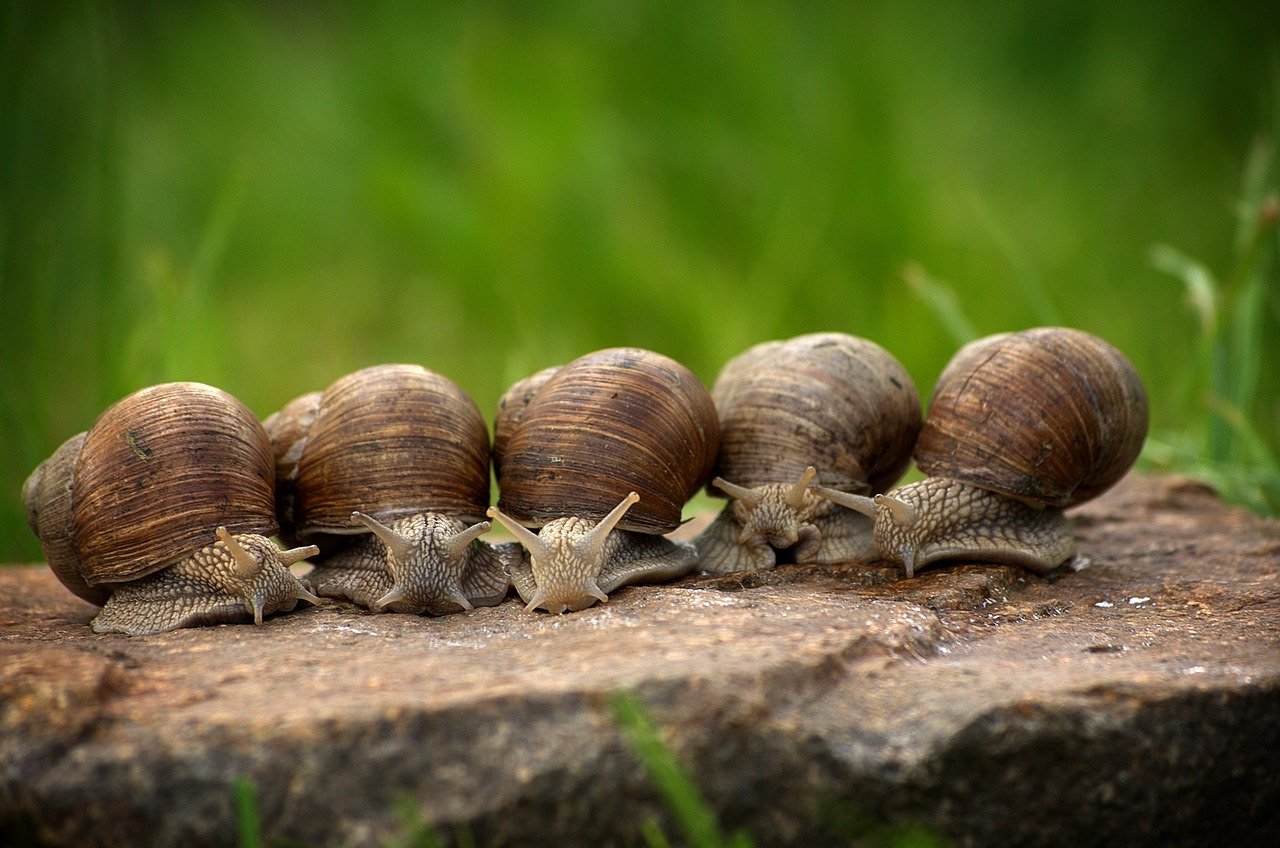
column 148, row 484
column 840, row 403
column 389, row 441
column 287, row 430
column 608, row 423
column 1050, row 416
column 511, row 407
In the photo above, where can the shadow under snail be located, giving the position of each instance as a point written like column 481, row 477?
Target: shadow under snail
column 599, row 456
column 388, row 471
column 1021, row 426
column 160, row 513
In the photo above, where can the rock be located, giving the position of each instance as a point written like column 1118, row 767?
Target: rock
column 1134, row 701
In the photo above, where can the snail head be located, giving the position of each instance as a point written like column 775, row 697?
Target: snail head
column 566, row 557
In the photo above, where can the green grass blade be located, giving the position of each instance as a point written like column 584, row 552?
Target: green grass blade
column 1031, row 283
column 418, row 833
column 691, row 811
column 653, row 836
column 1201, row 287
column 248, row 820
column 1204, row 294
column 217, row 230
column 1249, row 283
column 941, row 298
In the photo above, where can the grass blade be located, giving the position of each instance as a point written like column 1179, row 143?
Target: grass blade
column 1201, row 286
column 942, row 299
column 691, row 811
column 1032, row 285
column 418, row 833
column 248, row 820
column 653, row 835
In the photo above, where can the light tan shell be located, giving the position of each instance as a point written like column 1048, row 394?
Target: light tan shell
column 148, row 484
column 606, row 424
column 1050, row 416
column 389, row 441
column 840, row 403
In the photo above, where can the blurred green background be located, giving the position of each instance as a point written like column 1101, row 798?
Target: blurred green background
column 265, row 197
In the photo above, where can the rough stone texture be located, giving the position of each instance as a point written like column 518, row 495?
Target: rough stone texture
column 1135, row 701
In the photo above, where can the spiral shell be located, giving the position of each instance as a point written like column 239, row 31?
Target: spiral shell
column 608, row 423
column 389, row 441
column 46, row 495
column 1050, row 416
column 511, row 407
column 840, row 403
column 148, row 483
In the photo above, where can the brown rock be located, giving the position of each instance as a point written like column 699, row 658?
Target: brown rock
column 1135, row 701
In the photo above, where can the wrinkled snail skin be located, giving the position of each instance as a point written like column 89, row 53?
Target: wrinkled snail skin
column 941, row 519
column 160, row 513
column 762, row 526
column 599, row 456
column 572, row 563
column 388, row 471
column 237, row 576
column 1021, row 427
column 428, row 563
column 825, row 408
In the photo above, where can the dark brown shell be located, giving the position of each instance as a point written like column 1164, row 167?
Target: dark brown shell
column 1050, row 416
column 46, row 495
column 159, row 471
column 840, row 403
column 390, row 441
column 511, row 407
column 287, row 430
column 606, row 424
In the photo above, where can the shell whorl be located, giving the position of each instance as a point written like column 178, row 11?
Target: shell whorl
column 1050, row 416
column 46, row 496
column 389, row 441
column 511, row 407
column 148, row 483
column 611, row 422
column 840, row 403
column 288, row 430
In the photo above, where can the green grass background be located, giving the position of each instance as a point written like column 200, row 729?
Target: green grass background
column 267, row 196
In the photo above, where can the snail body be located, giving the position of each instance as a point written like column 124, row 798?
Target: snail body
column 387, row 470
column 598, row 457
column 828, row 408
column 1021, row 426
column 160, row 513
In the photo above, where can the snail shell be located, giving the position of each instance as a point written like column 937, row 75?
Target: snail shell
column 408, row 450
column 1021, row 426
column 143, row 489
column 602, row 454
column 389, row 440
column 837, row 404
column 511, row 407
column 606, row 424
column 1050, row 416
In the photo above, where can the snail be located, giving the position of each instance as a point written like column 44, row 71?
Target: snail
column 1021, row 426
column 600, row 456
column 824, row 407
column 159, row 514
column 387, row 471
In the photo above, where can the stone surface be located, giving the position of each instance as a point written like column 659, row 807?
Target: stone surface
column 1134, row 701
